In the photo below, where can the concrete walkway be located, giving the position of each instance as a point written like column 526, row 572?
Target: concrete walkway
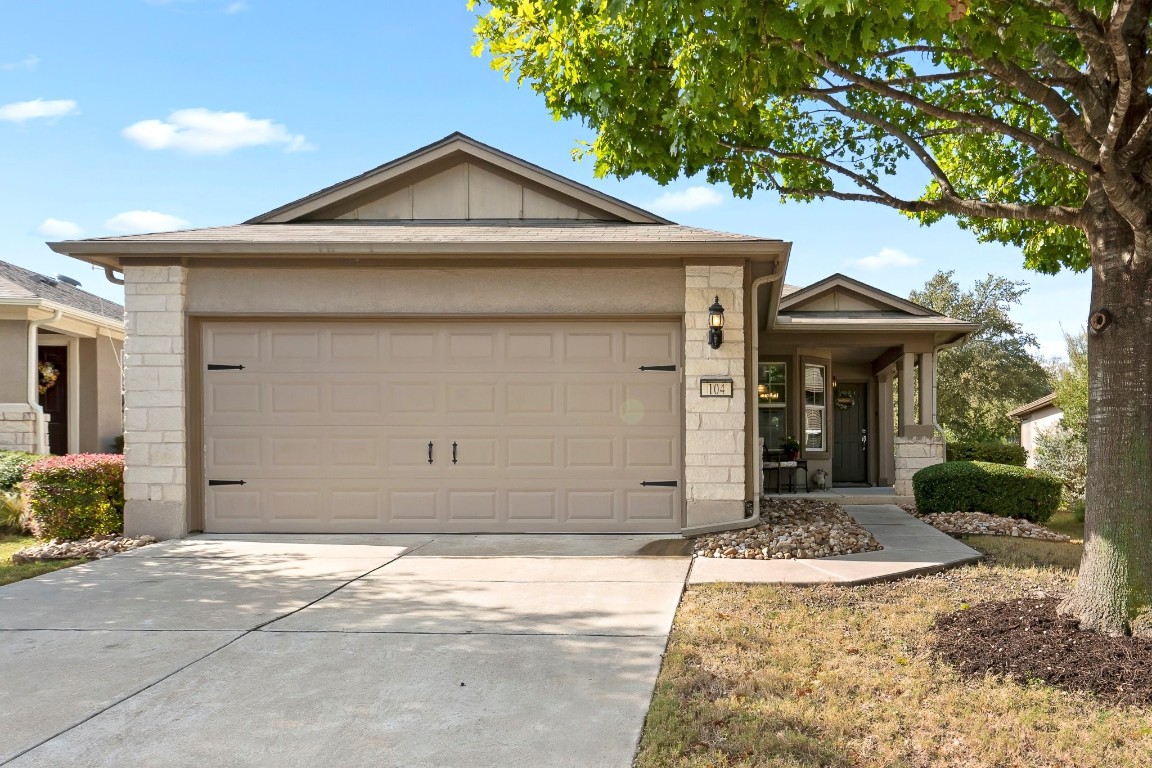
column 910, row 548
column 350, row 651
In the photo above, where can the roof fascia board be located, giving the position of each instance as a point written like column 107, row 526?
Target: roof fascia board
column 456, row 143
column 101, row 252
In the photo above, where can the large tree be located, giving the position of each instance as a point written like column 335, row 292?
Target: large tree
column 1029, row 120
column 992, row 371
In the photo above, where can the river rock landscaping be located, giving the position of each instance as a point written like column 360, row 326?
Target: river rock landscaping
column 791, row 528
column 982, row 524
column 94, row 548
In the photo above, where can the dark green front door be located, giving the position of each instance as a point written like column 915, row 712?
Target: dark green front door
column 850, row 456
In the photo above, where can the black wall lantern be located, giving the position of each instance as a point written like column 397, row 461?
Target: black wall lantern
column 715, row 324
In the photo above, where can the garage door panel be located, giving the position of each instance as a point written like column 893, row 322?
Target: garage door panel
column 328, row 424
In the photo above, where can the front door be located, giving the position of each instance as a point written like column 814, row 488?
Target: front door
column 850, row 458
column 54, row 396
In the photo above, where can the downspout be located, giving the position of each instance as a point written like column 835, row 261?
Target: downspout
column 935, row 388
column 110, row 273
column 753, row 443
column 34, row 380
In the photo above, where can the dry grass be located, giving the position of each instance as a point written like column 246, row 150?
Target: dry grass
column 841, row 677
column 10, row 572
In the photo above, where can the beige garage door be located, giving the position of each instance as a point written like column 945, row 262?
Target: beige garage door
column 441, row 426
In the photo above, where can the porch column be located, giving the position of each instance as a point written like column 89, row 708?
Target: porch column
column 927, row 391
column 884, row 465
column 907, row 416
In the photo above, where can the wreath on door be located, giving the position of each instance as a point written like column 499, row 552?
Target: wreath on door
column 845, row 400
column 48, row 376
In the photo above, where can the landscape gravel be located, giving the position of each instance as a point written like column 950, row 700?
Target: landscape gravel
column 88, row 549
column 791, row 529
column 983, row 524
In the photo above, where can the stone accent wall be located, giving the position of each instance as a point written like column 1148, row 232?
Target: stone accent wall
column 714, row 464
column 913, row 454
column 18, row 428
column 155, row 438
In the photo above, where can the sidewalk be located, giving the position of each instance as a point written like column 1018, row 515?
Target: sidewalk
column 910, row 548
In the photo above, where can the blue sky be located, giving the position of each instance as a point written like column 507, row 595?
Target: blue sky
column 138, row 115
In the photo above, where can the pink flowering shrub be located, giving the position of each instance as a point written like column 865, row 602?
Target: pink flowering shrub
column 76, row 496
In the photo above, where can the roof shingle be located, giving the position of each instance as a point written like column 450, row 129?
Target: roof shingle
column 19, row 283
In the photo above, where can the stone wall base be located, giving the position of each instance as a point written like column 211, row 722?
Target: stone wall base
column 707, row 513
column 18, row 428
column 162, row 519
column 913, row 454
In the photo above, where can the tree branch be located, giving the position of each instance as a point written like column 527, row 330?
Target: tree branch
column 988, row 124
column 917, row 149
column 942, row 77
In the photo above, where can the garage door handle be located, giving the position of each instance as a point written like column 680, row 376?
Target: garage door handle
column 453, row 451
column 429, row 451
column 212, row 483
column 661, row 483
column 657, row 367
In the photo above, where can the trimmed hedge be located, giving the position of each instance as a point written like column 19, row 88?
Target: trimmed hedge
column 994, row 453
column 978, row 486
column 76, row 496
column 12, row 466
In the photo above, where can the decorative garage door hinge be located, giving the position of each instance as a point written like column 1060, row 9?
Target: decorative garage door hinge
column 218, row 367
column 661, row 483
column 226, row 482
column 658, row 367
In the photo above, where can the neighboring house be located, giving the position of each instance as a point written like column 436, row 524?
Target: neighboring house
column 460, row 340
column 1036, row 417
column 60, row 365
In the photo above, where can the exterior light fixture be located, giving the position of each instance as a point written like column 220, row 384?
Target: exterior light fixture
column 715, row 324
column 835, row 383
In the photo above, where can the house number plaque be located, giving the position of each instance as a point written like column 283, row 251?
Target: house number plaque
column 715, row 387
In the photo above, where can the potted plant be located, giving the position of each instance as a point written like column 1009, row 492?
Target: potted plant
column 791, row 448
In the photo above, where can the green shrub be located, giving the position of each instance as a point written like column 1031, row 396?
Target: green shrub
column 11, row 511
column 75, row 496
column 1079, row 508
column 995, row 453
column 978, row 486
column 1064, row 454
column 12, row 466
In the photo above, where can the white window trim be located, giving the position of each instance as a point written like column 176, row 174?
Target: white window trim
column 823, row 409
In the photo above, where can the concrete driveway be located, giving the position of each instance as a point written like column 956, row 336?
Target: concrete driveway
column 340, row 650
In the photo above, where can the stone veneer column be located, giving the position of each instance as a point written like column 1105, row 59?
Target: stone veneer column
column 912, row 455
column 18, row 428
column 155, row 437
column 714, row 464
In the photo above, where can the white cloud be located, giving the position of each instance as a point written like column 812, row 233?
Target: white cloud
column 28, row 62
column 59, row 228
column 685, row 200
column 234, row 8
column 888, row 258
column 133, row 222
column 19, row 111
column 204, row 132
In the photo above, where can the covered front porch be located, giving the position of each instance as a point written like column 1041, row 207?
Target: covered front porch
column 846, row 377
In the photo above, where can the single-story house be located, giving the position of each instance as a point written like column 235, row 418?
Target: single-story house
column 60, row 365
column 460, row 340
column 1036, row 417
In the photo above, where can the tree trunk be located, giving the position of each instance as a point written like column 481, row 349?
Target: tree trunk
column 1113, row 593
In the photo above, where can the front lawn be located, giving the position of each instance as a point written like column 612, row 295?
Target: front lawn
column 10, row 572
column 843, row 677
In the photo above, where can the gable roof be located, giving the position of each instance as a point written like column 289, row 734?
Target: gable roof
column 794, row 301
column 18, row 283
column 453, row 150
column 1048, row 401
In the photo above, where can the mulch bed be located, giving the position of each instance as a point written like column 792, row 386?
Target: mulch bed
column 1027, row 641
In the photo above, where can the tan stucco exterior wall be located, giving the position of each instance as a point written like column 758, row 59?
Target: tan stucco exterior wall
column 714, row 460
column 14, row 354
column 155, row 436
column 438, row 291
column 101, row 394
